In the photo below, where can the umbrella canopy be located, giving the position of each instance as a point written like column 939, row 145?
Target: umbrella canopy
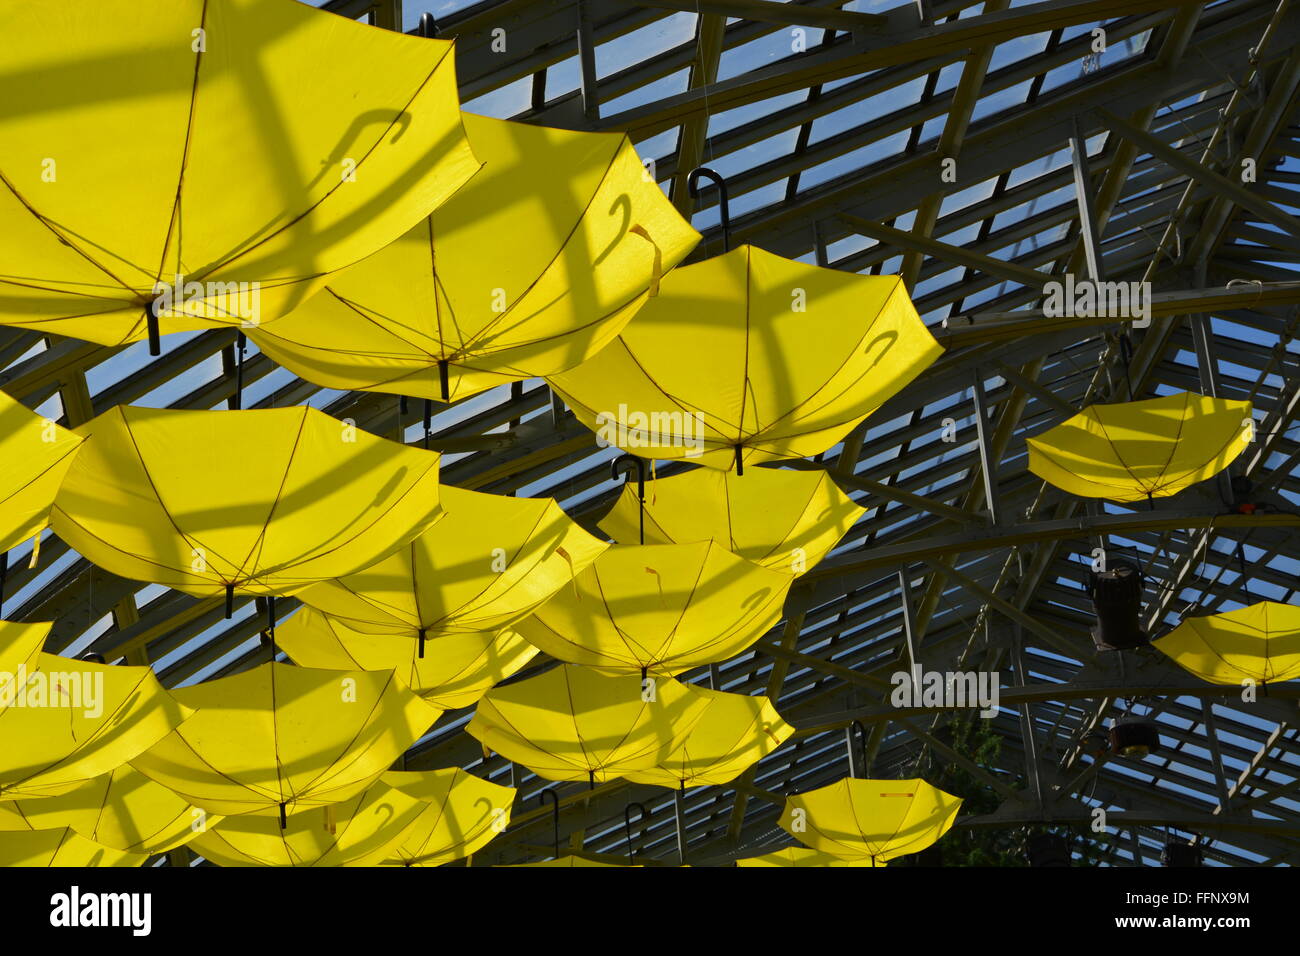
column 60, row 847
column 567, row 862
column 782, row 519
column 1259, row 643
column 439, row 813
column 287, row 738
column 261, row 502
column 574, row 723
column 735, row 732
column 123, row 810
column 73, row 721
column 455, row 673
column 570, row 258
column 462, row 814
column 257, row 147
column 20, row 645
column 750, row 357
column 35, row 455
column 1138, row 450
column 490, row 561
column 873, row 820
column 801, row 856
column 661, row 608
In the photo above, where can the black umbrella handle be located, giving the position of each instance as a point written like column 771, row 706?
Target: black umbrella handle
column 625, row 463
column 555, row 814
column 693, row 187
column 627, row 826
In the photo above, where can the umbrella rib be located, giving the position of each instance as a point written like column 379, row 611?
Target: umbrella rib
column 61, row 236
column 337, row 766
column 234, row 257
column 259, row 541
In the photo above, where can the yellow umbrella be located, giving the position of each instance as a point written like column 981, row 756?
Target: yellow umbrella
column 566, row 862
column 749, row 357
column 72, row 721
column 20, row 645
column 286, row 737
column 462, row 814
column 663, row 608
column 208, row 162
column 124, row 810
column 735, row 732
column 440, row 813
column 801, row 856
column 490, row 561
column 782, row 519
column 1148, row 449
column 1260, row 643
column 460, row 669
column 873, row 820
column 574, row 723
column 35, row 454
column 60, row 847
column 261, row 502
column 530, row 269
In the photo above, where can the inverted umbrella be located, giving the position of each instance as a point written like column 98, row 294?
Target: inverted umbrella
column 528, row 270
column 71, row 721
column 490, row 561
column 782, row 519
column 60, row 847
column 661, row 608
column 459, row 669
column 284, row 737
column 801, row 856
column 462, row 814
column 35, row 455
column 749, row 357
column 873, row 820
column 124, row 810
column 574, row 723
column 283, row 144
column 1141, row 450
column 734, row 733
column 1259, row 643
column 260, row 502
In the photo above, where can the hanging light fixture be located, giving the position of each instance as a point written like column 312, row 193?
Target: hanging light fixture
column 1177, row 853
column 1134, row 738
column 1117, row 598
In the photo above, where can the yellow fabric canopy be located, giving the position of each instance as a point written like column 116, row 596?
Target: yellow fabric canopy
column 462, row 814
column 454, row 673
column 490, row 561
column 801, row 856
column 248, row 147
column 35, row 455
column 735, row 732
column 1148, row 449
column 528, row 270
column 875, row 820
column 261, row 502
column 286, row 737
column 426, row 818
column 750, row 356
column 124, row 810
column 566, row 862
column 574, row 723
column 782, row 519
column 60, row 847
column 662, row 608
column 20, row 646
column 1260, row 643
column 72, row 721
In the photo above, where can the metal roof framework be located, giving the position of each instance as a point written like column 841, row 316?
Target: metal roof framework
column 979, row 150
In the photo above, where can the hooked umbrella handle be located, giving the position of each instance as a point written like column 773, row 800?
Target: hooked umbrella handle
column 622, row 463
column 693, row 187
